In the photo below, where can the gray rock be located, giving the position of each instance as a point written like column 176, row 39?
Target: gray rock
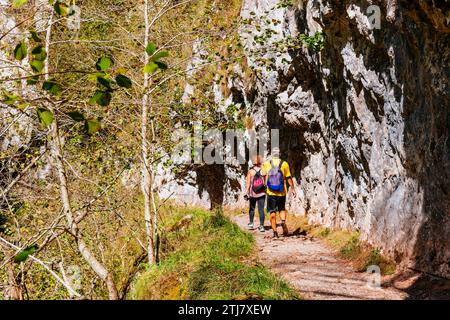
column 364, row 123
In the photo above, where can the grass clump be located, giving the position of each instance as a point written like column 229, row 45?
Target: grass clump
column 363, row 255
column 210, row 259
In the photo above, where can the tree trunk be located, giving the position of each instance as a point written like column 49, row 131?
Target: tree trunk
column 12, row 290
column 146, row 165
column 56, row 152
column 86, row 253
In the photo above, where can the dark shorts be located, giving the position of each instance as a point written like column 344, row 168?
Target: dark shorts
column 276, row 203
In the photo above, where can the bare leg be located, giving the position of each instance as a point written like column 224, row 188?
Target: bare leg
column 273, row 221
column 283, row 215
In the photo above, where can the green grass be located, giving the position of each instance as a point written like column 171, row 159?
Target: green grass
column 212, row 259
column 363, row 255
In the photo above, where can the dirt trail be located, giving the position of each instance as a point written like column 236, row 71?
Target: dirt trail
column 314, row 269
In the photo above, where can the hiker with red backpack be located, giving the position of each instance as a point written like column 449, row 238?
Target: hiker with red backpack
column 256, row 193
column 277, row 176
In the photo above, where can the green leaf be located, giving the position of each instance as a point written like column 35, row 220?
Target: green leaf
column 151, row 67
column 151, row 48
column 92, row 77
column 95, row 75
column 123, row 81
column 159, row 55
column 35, row 36
column 161, row 65
column 45, row 116
column 20, row 52
column 18, row 3
column 25, row 253
column 76, row 116
column 39, row 53
column 104, row 81
column 102, row 98
column 96, row 97
column 37, row 65
column 92, row 126
column 61, row 8
column 47, row 85
column 33, row 80
column 9, row 98
column 52, row 87
column 103, row 63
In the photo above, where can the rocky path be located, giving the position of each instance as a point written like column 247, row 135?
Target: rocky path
column 313, row 268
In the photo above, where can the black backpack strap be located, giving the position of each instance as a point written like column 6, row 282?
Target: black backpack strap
column 256, row 171
column 281, row 164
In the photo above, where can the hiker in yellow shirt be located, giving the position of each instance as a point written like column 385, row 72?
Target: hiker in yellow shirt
column 278, row 175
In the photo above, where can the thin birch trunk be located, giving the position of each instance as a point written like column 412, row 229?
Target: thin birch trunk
column 85, row 252
column 56, row 152
column 48, row 35
column 146, row 165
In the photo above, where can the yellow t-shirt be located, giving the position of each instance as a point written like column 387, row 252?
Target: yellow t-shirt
column 286, row 174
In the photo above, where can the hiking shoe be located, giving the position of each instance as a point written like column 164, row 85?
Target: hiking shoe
column 275, row 235
column 251, row 226
column 261, row 229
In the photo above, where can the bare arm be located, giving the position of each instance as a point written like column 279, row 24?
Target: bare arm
column 292, row 186
column 247, row 181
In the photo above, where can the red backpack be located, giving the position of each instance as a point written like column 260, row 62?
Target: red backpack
column 258, row 183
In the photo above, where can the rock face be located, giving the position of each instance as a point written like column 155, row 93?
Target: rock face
column 365, row 122
column 18, row 127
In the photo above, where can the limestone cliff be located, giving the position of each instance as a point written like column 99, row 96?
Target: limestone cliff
column 364, row 122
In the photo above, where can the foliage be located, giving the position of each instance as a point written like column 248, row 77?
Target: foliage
column 25, row 253
column 285, row 3
column 93, row 91
column 209, row 260
column 20, row 51
column 45, row 116
column 315, row 42
column 268, row 47
column 18, row 3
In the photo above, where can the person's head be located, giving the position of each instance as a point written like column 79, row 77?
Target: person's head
column 275, row 152
column 257, row 160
